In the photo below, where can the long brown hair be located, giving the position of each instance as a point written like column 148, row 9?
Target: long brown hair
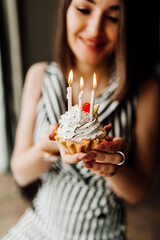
column 65, row 58
column 62, row 53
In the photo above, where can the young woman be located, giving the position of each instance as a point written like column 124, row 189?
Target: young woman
column 81, row 194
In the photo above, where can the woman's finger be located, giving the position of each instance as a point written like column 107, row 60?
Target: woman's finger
column 71, row 158
column 52, row 127
column 118, row 144
column 52, row 131
column 101, row 157
column 101, row 169
column 108, row 128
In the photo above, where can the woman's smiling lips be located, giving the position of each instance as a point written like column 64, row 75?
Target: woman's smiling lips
column 93, row 43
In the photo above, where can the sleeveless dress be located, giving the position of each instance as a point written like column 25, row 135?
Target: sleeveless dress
column 73, row 203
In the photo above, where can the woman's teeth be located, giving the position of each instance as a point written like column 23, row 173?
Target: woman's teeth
column 90, row 43
column 93, row 44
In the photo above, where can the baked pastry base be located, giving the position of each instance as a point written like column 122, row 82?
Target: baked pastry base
column 85, row 145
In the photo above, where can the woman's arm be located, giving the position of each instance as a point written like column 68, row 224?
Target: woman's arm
column 132, row 183
column 27, row 162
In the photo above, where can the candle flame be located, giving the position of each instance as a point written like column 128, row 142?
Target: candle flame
column 94, row 81
column 70, row 78
column 81, row 82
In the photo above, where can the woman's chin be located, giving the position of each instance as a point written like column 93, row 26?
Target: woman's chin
column 90, row 61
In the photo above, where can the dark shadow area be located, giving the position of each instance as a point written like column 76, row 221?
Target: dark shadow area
column 37, row 22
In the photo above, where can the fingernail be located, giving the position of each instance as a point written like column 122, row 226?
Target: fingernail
column 88, row 165
column 92, row 155
column 82, row 156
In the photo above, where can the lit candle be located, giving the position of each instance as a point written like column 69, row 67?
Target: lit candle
column 69, row 90
column 93, row 96
column 80, row 99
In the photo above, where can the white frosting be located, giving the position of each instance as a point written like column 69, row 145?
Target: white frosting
column 71, row 129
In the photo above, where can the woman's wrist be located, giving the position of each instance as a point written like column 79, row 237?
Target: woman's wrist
column 47, row 156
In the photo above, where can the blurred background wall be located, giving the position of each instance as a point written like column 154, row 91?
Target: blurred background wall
column 10, row 78
column 37, row 23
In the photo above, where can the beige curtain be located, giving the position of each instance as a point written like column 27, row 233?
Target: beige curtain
column 3, row 140
column 11, row 20
column 10, row 9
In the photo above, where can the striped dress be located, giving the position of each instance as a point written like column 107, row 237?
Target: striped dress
column 73, row 203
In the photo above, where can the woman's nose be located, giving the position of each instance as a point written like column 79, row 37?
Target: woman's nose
column 96, row 26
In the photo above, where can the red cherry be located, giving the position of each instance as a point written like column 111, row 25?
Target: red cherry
column 86, row 107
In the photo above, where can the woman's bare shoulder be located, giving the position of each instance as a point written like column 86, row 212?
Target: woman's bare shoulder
column 34, row 78
column 31, row 92
column 149, row 97
column 147, row 126
column 150, row 87
column 148, row 111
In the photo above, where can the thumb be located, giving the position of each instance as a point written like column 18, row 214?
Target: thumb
column 52, row 130
column 108, row 128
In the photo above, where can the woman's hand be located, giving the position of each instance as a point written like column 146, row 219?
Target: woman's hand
column 71, row 158
column 48, row 145
column 104, row 161
column 54, row 147
column 29, row 164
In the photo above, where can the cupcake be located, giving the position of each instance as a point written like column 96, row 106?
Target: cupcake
column 80, row 136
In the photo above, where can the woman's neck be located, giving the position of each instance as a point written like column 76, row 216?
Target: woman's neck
column 87, row 73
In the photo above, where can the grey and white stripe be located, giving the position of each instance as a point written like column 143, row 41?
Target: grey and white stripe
column 73, row 202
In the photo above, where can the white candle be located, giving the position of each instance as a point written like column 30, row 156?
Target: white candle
column 93, row 97
column 69, row 90
column 69, row 97
column 92, row 104
column 80, row 99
